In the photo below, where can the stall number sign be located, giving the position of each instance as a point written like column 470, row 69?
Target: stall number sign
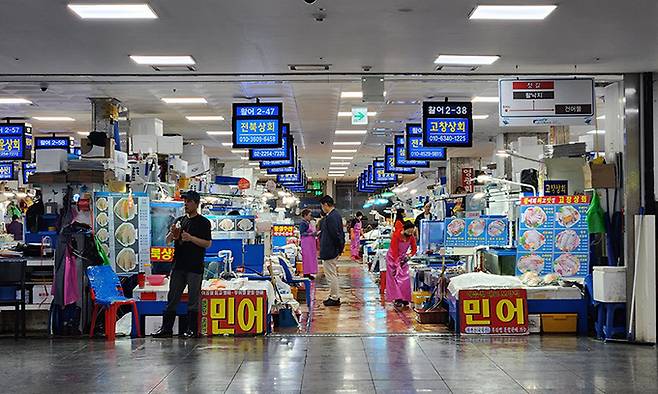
column 283, row 230
column 288, row 161
column 52, row 143
column 284, row 170
column 162, row 254
column 528, row 102
column 28, row 169
column 401, row 159
column 556, row 188
column 6, row 171
column 233, row 312
column 257, row 125
column 276, row 153
column 416, row 150
column 493, row 312
column 468, row 175
column 390, row 162
column 447, row 124
column 12, row 141
column 380, row 174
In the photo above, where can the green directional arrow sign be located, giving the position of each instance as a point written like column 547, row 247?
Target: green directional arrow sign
column 359, row 116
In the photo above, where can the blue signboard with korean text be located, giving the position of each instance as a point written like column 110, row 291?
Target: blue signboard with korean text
column 448, row 124
column 389, row 162
column 416, row 150
column 285, row 170
column 277, row 163
column 400, row 156
column 284, row 152
column 380, row 174
column 370, row 178
column 28, row 169
column 63, row 143
column 257, row 125
column 6, row 171
column 362, row 186
column 15, row 142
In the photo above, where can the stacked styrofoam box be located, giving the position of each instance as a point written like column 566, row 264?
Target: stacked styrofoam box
column 609, row 284
column 197, row 160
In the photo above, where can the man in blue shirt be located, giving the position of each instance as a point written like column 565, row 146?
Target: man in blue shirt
column 332, row 243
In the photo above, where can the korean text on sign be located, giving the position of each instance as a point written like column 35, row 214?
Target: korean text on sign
column 493, row 311
column 230, row 312
column 447, row 130
column 162, row 254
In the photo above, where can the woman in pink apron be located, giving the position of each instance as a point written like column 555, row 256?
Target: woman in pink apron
column 309, row 244
column 355, row 244
column 398, row 284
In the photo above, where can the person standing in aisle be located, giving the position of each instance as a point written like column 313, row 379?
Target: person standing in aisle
column 398, row 284
column 15, row 228
column 309, row 244
column 425, row 215
column 191, row 237
column 355, row 242
column 332, row 243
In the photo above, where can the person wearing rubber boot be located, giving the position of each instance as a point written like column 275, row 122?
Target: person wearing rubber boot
column 191, row 237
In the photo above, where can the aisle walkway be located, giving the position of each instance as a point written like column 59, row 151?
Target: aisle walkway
column 362, row 310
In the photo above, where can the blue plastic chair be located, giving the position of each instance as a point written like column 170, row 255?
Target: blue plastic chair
column 107, row 294
column 291, row 280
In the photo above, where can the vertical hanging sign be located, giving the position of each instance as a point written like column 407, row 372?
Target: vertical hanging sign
column 257, row 125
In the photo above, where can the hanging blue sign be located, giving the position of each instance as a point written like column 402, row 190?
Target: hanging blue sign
column 6, row 171
column 28, row 169
column 76, row 151
column 294, row 178
column 285, row 170
column 415, row 150
column 400, row 156
column 362, row 186
column 370, row 179
column 448, row 124
column 257, row 125
column 277, row 163
column 275, row 153
column 52, row 143
column 380, row 175
column 389, row 162
column 14, row 142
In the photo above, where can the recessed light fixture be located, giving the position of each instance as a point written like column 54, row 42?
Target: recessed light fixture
column 338, row 168
column 344, row 151
column 113, row 11
column 244, row 157
column 11, row 100
column 339, row 163
column 342, row 157
column 352, row 132
column 204, row 118
column 185, row 60
column 467, row 60
column 353, row 143
column 219, row 132
column 512, row 12
column 239, row 151
column 349, row 114
column 485, row 99
column 351, row 95
column 596, row 132
column 600, row 117
column 253, row 163
column 480, row 117
column 185, row 100
column 54, row 118
column 227, row 144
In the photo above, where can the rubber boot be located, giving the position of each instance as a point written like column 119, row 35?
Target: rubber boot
column 166, row 331
column 192, row 325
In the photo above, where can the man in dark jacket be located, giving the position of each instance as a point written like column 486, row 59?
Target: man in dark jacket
column 332, row 243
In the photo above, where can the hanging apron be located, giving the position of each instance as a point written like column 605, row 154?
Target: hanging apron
column 309, row 251
column 355, row 245
column 398, row 285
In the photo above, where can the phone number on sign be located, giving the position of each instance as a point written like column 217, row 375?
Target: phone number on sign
column 255, row 139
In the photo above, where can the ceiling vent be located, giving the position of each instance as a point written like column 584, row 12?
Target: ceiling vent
column 456, row 69
column 309, row 67
column 176, row 68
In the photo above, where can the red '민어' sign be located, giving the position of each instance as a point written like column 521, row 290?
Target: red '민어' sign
column 493, row 311
column 233, row 312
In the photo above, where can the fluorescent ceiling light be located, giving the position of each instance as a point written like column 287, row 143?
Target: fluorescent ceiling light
column 342, row 157
column 352, row 132
column 347, row 142
column 113, row 11
column 469, row 60
column 14, row 101
column 349, row 114
column 219, row 132
column 331, row 169
column 83, row 133
column 164, row 60
column 244, row 157
column 185, row 100
column 601, row 117
column 343, row 151
column 204, row 118
column 54, row 118
column 596, row 132
column 480, row 117
column 253, row 163
column 512, row 12
column 239, row 151
column 351, row 95
column 485, row 99
column 339, row 163
column 227, row 144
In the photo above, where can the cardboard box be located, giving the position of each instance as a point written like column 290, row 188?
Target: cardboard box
column 170, row 145
column 599, row 176
column 90, row 176
column 94, row 151
column 559, row 323
column 51, row 160
column 48, row 178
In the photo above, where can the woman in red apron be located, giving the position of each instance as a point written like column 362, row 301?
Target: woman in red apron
column 355, row 244
column 398, row 284
column 309, row 244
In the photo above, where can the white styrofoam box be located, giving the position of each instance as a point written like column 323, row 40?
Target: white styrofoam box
column 534, row 324
column 193, row 153
column 120, row 174
column 527, row 141
column 120, row 159
column 610, row 284
column 153, row 323
column 176, row 164
column 146, row 126
column 144, row 144
column 170, row 145
column 52, row 160
column 198, row 167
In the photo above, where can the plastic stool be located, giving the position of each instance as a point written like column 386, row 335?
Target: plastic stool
column 610, row 319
